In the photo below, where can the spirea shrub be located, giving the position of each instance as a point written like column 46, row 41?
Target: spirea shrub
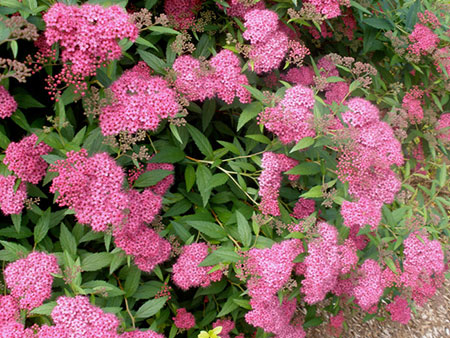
column 210, row 168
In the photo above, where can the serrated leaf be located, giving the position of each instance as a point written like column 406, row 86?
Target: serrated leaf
column 260, row 138
column 200, row 141
column 17, row 221
column 96, row 261
column 248, row 113
column 302, row 144
column 305, row 168
column 221, row 255
column 44, row 310
column 314, row 192
column 256, row 93
column 152, row 177
column 132, row 281
column 42, row 226
column 168, row 154
column 228, row 307
column 68, row 241
column 153, row 61
column 379, row 23
column 390, row 263
column 189, row 177
column 204, row 176
column 164, row 30
column 151, row 307
column 245, row 233
column 208, row 228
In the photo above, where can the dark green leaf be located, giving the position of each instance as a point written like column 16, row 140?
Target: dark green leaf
column 208, row 228
column 152, row 177
column 151, row 307
column 200, row 141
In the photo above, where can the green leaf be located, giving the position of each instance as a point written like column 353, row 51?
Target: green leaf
column 96, row 261
column 17, row 221
column 68, row 241
column 243, row 303
column 208, row 228
column 42, row 226
column 204, row 177
column 302, row 144
column 200, row 141
column 151, row 307
column 256, row 93
column 259, row 138
column 442, row 175
column 221, row 255
column 209, row 108
column 189, row 177
column 102, row 287
column 390, row 263
column 313, row 322
column 228, row 307
column 305, row 168
column 164, row 30
column 218, row 180
column 248, row 113
column 245, row 233
column 132, row 281
column 142, row 41
column 168, row 154
column 152, row 177
column 333, row 79
column 314, row 192
column 361, row 8
column 379, row 23
column 44, row 310
column 153, row 61
column 16, row 250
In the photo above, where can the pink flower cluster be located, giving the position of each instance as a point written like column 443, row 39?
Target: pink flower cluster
column 88, row 34
column 270, row 180
column 365, row 164
column 12, row 201
column 399, row 310
column 181, row 13
column 335, row 327
column 430, row 18
column 291, row 119
column 92, row 187
column 140, row 101
column 423, row 40
column 268, row 270
column 227, row 326
column 24, row 158
column 220, row 76
column 187, row 274
column 326, row 260
column 444, row 122
column 29, row 279
column 10, row 310
column 329, row 8
column 370, row 287
column 412, row 102
column 303, row 75
column 303, row 208
column 162, row 186
column 184, row 320
column 269, row 43
column 7, row 103
column 238, row 8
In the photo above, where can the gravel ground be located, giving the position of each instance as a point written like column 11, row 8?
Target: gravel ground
column 431, row 321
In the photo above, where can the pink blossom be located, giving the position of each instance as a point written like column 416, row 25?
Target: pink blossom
column 7, row 103
column 10, row 309
column 268, row 55
column 412, row 102
column 335, row 326
column 13, row 200
column 399, row 309
column 24, row 158
column 423, row 40
column 181, row 13
column 81, row 319
column 336, row 92
column 260, row 24
column 140, row 101
column 361, row 113
column 92, row 187
column 29, row 279
column 270, row 180
column 369, row 288
column 303, row 208
column 88, row 34
column 227, row 326
column 365, row 211
column 239, row 9
column 291, row 119
column 187, row 274
column 184, row 319
column 444, row 123
column 303, row 75
column 141, row 334
column 162, row 186
column 15, row 330
column 329, row 8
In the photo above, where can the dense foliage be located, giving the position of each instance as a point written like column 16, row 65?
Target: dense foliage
column 221, row 168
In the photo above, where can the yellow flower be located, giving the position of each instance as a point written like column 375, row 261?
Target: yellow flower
column 211, row 333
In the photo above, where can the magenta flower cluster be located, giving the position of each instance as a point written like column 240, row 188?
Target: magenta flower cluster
column 7, row 103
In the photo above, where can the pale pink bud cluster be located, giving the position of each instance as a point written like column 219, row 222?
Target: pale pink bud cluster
column 326, row 260
column 181, row 13
column 336, row 92
column 30, row 279
column 187, row 274
column 303, row 208
column 140, row 101
column 412, row 102
column 24, row 158
column 12, row 201
column 220, row 76
column 92, row 187
column 423, row 40
column 399, row 310
column 7, row 103
column 269, row 43
column 291, row 119
column 329, row 8
column 184, row 320
column 270, row 180
column 444, row 122
column 227, row 326
column 88, row 34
